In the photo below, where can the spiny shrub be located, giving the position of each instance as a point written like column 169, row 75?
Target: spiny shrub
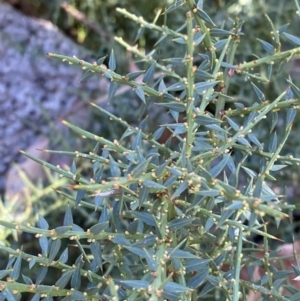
column 173, row 220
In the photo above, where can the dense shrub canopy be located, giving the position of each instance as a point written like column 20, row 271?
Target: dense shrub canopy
column 174, row 218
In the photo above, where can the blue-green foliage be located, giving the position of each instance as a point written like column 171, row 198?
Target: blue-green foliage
column 166, row 215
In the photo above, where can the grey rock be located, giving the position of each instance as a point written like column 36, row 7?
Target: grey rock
column 32, row 85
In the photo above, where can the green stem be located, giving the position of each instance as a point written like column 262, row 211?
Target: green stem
column 217, row 68
column 232, row 50
column 135, row 50
column 207, row 40
column 270, row 59
column 160, row 255
column 247, row 110
column 190, row 86
column 237, row 268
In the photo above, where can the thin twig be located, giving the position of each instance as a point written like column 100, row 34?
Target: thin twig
column 82, row 18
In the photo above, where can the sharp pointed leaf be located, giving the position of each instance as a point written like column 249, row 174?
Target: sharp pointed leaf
column 112, row 61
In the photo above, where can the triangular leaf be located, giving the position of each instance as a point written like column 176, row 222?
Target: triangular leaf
column 140, row 93
column 148, row 77
column 112, row 65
